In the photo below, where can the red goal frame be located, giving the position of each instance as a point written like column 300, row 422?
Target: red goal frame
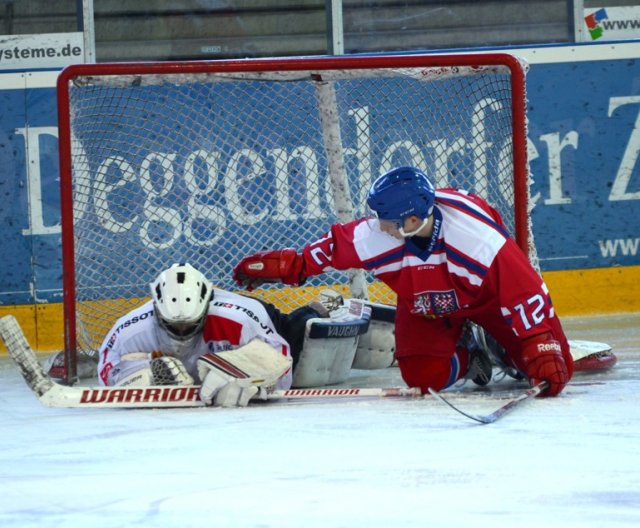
column 67, row 76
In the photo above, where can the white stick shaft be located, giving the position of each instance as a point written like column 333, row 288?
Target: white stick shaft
column 188, row 396
column 345, row 392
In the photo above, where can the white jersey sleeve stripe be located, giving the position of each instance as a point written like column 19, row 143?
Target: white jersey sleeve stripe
column 474, row 211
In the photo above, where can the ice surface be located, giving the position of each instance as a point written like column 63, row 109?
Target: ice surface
column 572, row 461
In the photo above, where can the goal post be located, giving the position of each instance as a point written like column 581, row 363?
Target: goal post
column 206, row 162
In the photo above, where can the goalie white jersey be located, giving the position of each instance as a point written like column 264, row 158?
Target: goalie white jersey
column 232, row 321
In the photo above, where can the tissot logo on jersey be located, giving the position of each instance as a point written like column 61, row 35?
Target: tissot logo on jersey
column 246, row 311
column 126, row 324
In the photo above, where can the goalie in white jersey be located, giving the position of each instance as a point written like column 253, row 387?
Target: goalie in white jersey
column 191, row 332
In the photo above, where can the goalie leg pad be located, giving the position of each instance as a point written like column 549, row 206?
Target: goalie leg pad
column 324, row 362
column 293, row 327
column 377, row 348
column 328, row 351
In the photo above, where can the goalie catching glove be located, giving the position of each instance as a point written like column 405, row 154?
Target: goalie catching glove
column 544, row 361
column 232, row 378
column 140, row 369
column 282, row 265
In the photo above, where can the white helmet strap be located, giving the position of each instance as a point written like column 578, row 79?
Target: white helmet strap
column 409, row 234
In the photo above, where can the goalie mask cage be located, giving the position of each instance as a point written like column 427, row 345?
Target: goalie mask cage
column 207, row 162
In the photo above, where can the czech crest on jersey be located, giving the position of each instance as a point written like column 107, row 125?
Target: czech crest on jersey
column 435, row 303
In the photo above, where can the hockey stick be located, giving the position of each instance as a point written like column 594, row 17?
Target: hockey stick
column 186, row 396
column 501, row 411
column 54, row 395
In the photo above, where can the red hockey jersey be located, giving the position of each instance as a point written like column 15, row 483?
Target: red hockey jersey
column 469, row 268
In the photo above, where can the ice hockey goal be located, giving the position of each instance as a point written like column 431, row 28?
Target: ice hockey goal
column 205, row 162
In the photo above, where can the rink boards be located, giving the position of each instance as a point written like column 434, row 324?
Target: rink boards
column 584, row 141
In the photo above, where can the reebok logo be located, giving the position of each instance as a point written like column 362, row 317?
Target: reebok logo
column 549, row 347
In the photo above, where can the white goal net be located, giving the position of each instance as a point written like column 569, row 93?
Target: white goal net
column 207, row 162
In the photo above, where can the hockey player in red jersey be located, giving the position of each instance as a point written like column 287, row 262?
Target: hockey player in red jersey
column 448, row 257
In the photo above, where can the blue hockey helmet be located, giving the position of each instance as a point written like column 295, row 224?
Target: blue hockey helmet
column 400, row 193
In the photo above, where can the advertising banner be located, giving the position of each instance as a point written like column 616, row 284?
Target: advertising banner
column 30, row 52
column 584, row 143
column 611, row 23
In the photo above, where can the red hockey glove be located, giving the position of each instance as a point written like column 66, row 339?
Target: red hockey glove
column 282, row 265
column 543, row 361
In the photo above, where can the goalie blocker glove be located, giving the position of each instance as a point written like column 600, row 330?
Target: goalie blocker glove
column 282, row 265
column 232, row 378
column 543, row 360
column 222, row 389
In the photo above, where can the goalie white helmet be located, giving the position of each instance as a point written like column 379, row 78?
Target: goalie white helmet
column 181, row 296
